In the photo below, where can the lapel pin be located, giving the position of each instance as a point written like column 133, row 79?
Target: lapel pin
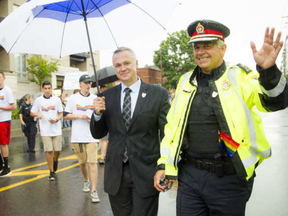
column 143, row 95
column 214, row 94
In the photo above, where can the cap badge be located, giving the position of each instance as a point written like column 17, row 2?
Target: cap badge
column 226, row 85
column 200, row 29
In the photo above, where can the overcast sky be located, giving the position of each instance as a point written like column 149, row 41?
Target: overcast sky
column 247, row 20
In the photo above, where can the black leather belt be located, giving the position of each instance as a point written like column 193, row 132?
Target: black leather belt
column 220, row 168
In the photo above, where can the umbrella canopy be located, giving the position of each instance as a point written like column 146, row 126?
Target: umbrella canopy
column 104, row 76
column 56, row 27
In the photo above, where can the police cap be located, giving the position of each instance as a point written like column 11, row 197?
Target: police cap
column 207, row 30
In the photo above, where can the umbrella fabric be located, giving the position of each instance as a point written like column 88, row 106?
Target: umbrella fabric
column 56, row 28
column 104, row 76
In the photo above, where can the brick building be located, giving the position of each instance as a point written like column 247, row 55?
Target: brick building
column 151, row 75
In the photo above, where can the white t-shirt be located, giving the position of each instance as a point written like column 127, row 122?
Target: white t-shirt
column 6, row 98
column 79, row 104
column 49, row 109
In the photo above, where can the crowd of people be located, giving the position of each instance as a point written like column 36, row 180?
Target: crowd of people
column 211, row 139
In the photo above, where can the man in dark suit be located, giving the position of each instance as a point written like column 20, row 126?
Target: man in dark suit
column 135, row 132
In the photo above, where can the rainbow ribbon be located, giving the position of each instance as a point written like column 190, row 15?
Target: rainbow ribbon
column 230, row 145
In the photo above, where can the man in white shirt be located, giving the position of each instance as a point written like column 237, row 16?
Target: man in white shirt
column 79, row 109
column 48, row 109
column 7, row 105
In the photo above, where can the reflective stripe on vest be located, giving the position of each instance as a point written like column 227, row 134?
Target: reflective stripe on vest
column 277, row 90
column 170, row 161
column 251, row 128
column 185, row 78
column 165, row 151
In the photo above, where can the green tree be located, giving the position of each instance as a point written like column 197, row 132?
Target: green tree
column 40, row 68
column 175, row 57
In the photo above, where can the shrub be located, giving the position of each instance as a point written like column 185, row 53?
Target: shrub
column 15, row 114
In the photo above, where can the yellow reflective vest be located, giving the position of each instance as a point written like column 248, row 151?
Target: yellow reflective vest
column 236, row 96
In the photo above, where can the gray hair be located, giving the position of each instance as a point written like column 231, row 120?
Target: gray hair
column 220, row 43
column 121, row 49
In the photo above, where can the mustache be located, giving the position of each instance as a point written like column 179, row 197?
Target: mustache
column 202, row 56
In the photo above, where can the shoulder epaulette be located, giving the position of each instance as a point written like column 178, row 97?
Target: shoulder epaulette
column 245, row 68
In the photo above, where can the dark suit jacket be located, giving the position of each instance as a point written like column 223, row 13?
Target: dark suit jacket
column 142, row 138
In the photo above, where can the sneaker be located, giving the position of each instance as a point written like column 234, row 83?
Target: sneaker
column 5, row 172
column 1, row 168
column 55, row 165
column 94, row 196
column 86, row 187
column 51, row 177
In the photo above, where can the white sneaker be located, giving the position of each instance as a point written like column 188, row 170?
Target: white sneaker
column 94, row 196
column 86, row 187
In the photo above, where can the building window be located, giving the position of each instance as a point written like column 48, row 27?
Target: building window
column 20, row 66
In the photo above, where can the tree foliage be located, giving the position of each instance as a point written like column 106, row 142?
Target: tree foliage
column 40, row 68
column 176, row 57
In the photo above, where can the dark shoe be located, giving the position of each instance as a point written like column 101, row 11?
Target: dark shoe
column 102, row 161
column 28, row 150
column 1, row 168
column 51, row 177
column 55, row 165
column 5, row 172
column 32, row 150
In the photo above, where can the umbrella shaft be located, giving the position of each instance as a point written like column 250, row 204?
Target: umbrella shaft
column 91, row 53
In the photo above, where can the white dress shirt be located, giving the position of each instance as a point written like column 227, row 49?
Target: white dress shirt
column 135, row 88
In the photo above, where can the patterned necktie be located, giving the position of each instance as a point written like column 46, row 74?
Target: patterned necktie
column 127, row 108
column 126, row 116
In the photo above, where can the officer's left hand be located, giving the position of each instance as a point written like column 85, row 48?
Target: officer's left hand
column 267, row 55
column 159, row 174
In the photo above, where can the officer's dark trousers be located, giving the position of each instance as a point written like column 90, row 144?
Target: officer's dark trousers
column 127, row 201
column 30, row 132
column 202, row 193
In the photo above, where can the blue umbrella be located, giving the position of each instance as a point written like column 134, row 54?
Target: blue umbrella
column 56, row 27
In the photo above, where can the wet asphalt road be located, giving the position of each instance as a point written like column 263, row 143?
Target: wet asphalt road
column 28, row 192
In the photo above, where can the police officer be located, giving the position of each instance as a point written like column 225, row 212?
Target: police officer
column 28, row 122
column 214, row 112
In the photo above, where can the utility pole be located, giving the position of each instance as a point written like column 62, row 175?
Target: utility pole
column 284, row 57
column 161, row 66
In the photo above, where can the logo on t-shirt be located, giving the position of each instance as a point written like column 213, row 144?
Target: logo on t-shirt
column 2, row 97
column 87, row 107
column 44, row 109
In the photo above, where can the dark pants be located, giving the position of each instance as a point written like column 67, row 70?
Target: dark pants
column 202, row 193
column 127, row 202
column 30, row 132
column 65, row 123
